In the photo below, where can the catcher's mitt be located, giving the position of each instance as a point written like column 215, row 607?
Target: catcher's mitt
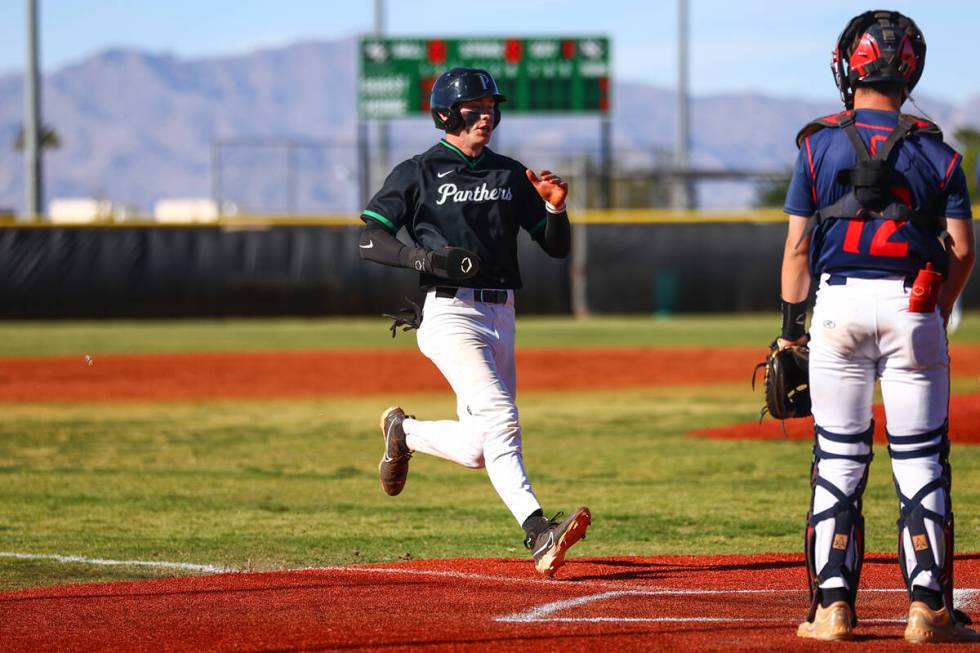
column 787, row 382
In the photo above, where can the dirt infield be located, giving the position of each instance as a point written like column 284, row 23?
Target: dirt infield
column 964, row 418
column 197, row 376
column 685, row 603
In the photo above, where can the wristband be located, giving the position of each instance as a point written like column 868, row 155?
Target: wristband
column 794, row 320
column 551, row 208
column 414, row 258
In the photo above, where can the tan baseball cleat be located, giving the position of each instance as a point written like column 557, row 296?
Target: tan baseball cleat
column 549, row 546
column 832, row 623
column 926, row 626
column 393, row 467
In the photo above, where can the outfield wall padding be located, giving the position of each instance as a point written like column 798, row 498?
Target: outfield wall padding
column 143, row 271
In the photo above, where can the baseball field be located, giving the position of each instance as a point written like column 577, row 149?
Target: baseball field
column 212, row 485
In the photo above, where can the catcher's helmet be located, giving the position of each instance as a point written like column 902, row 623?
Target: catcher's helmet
column 875, row 47
column 460, row 85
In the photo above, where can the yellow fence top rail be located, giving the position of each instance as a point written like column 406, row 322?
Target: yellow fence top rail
column 593, row 216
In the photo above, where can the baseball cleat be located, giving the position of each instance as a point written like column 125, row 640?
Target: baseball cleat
column 926, row 626
column 393, row 467
column 549, row 546
column 829, row 624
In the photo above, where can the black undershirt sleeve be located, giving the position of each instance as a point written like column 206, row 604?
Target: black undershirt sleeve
column 381, row 246
column 556, row 237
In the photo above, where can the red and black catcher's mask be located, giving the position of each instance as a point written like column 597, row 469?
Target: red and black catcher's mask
column 461, row 85
column 876, row 47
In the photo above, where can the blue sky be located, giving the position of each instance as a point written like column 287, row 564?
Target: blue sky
column 776, row 48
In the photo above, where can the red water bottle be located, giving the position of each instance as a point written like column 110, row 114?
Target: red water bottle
column 925, row 290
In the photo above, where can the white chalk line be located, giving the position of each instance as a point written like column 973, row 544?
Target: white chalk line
column 964, row 598
column 187, row 566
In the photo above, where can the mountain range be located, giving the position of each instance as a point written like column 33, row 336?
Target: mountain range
column 138, row 126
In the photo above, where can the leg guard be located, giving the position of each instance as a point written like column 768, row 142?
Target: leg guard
column 846, row 548
column 930, row 556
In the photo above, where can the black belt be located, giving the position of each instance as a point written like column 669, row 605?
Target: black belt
column 484, row 295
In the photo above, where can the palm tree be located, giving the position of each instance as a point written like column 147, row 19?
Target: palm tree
column 49, row 139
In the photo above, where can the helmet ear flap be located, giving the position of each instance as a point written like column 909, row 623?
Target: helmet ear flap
column 455, row 119
column 437, row 118
column 451, row 123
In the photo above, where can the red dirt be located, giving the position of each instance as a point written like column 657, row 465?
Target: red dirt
column 622, row 604
column 201, row 376
column 964, row 419
column 683, row 603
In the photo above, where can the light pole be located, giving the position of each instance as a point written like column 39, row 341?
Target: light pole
column 683, row 195
column 380, row 125
column 33, row 184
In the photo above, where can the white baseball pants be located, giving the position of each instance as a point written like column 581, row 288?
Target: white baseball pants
column 862, row 331
column 472, row 344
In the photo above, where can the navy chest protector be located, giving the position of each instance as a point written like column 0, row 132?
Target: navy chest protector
column 871, row 181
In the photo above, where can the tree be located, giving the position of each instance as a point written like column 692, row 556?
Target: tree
column 49, row 139
column 969, row 139
column 772, row 193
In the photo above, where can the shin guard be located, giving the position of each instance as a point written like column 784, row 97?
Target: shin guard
column 845, row 556
column 913, row 515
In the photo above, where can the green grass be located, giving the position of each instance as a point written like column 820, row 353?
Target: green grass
column 285, row 484
column 30, row 338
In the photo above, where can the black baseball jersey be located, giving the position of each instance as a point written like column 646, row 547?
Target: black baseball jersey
column 443, row 197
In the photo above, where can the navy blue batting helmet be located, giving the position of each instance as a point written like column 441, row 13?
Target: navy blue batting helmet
column 461, row 85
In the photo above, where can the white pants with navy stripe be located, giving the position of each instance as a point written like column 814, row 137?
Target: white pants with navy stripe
column 472, row 344
column 862, row 331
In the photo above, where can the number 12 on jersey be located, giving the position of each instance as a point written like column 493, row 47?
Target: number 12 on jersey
column 881, row 245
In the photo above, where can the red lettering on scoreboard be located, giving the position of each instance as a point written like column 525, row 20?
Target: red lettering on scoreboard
column 437, row 51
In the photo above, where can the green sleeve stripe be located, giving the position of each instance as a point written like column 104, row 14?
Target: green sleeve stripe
column 383, row 220
column 538, row 226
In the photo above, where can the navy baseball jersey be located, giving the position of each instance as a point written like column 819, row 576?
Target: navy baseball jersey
column 926, row 177
column 443, row 197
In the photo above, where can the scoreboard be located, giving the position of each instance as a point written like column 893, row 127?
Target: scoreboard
column 537, row 74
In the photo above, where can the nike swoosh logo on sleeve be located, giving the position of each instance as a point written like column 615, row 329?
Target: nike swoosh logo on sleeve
column 368, row 246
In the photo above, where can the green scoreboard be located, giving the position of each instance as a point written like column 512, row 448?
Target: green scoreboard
column 537, row 74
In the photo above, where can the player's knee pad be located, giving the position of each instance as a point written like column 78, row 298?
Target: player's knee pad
column 842, row 554
column 931, row 556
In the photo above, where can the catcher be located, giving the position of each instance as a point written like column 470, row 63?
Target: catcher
column 880, row 224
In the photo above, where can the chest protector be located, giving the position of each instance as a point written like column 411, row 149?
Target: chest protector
column 871, row 180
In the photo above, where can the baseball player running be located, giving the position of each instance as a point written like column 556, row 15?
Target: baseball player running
column 879, row 217
column 463, row 204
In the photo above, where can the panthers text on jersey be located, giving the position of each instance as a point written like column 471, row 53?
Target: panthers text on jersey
column 443, row 197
